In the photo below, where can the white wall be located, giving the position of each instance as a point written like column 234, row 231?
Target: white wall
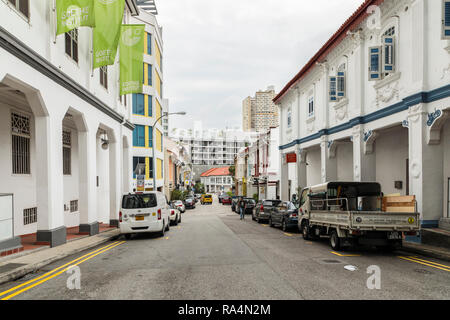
column 313, row 169
column 71, row 184
column 391, row 149
column 344, row 157
column 446, row 163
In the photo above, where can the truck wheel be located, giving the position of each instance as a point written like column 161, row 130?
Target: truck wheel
column 335, row 242
column 270, row 222
column 306, row 231
column 127, row 236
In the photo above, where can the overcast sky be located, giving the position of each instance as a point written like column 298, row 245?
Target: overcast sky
column 217, row 52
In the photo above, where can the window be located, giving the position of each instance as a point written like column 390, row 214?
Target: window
column 150, row 106
column 72, row 44
column 73, row 206
column 21, row 136
column 388, row 55
column 29, row 216
column 148, row 72
column 311, row 106
column 123, row 99
column 67, row 152
column 341, row 81
column 104, row 76
column 139, row 136
column 138, row 104
column 382, row 58
column 446, row 19
column 136, row 161
column 149, row 44
column 333, row 89
column 374, row 63
column 289, row 118
column 21, row 5
column 150, row 137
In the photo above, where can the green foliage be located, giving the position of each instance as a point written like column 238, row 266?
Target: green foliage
column 232, row 170
column 176, row 195
column 230, row 194
column 256, row 197
column 199, row 188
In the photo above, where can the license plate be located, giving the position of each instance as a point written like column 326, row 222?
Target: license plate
column 139, row 218
column 394, row 236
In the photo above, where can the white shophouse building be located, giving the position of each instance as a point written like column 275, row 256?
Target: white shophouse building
column 65, row 133
column 373, row 105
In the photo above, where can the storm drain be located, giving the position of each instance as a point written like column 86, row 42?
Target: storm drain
column 10, row 266
column 329, row 261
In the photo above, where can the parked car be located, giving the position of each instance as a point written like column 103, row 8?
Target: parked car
column 189, row 203
column 284, row 215
column 145, row 212
column 179, row 205
column 263, row 209
column 226, row 200
column 221, row 196
column 175, row 215
column 206, row 199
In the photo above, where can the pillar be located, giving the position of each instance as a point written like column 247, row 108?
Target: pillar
column 115, row 172
column 328, row 163
column 284, row 178
column 49, row 180
column 364, row 167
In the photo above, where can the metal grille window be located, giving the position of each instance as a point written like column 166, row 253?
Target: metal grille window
column 104, row 76
column 22, row 5
column 72, row 44
column 73, row 206
column 29, row 216
column 67, row 152
column 20, row 127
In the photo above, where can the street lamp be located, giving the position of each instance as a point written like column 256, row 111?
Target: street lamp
column 166, row 114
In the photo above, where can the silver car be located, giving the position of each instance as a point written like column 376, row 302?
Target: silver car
column 179, row 205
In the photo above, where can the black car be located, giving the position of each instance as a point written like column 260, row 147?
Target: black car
column 284, row 215
column 189, row 203
column 263, row 209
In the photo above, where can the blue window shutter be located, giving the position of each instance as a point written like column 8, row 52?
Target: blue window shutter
column 150, row 74
column 341, row 84
column 374, row 63
column 446, row 19
column 135, row 136
column 388, row 54
column 333, row 91
column 141, row 104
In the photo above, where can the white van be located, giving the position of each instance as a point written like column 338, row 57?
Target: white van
column 144, row 212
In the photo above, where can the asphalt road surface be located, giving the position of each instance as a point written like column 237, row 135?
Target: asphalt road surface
column 214, row 255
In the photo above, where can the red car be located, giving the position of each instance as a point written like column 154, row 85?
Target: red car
column 226, row 200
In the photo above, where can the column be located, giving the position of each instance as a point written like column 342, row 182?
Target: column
column 87, row 141
column 49, row 180
column 364, row 167
column 425, row 168
column 301, row 169
column 284, row 178
column 115, row 148
column 328, row 163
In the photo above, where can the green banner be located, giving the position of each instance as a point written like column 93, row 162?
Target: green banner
column 108, row 20
column 131, row 58
column 72, row 14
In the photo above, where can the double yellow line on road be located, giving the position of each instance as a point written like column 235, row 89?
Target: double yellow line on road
column 426, row 263
column 51, row 274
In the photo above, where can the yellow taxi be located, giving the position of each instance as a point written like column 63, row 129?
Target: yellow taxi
column 206, row 199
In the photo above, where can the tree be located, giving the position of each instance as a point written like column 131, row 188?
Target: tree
column 176, row 195
column 199, row 188
column 232, row 171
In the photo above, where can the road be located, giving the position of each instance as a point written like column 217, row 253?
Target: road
column 214, row 255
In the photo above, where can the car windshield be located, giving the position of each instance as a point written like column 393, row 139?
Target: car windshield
column 250, row 201
column 207, row 197
column 178, row 202
column 139, row 201
column 291, row 206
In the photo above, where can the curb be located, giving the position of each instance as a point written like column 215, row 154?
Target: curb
column 31, row 268
column 433, row 253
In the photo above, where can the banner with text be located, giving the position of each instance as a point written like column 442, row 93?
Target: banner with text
column 71, row 14
column 108, row 20
column 131, row 48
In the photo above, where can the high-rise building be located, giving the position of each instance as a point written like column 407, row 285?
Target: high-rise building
column 149, row 106
column 259, row 113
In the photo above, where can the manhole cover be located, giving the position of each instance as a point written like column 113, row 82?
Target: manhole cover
column 10, row 266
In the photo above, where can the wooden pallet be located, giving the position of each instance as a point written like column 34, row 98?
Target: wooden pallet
column 399, row 204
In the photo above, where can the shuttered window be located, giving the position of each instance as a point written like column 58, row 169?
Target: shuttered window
column 311, row 106
column 388, row 54
column 67, row 152
column 374, row 63
column 333, row 91
column 446, row 19
column 341, row 84
column 71, row 42
column 21, row 136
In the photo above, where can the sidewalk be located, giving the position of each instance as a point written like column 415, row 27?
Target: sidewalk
column 12, row 268
column 427, row 250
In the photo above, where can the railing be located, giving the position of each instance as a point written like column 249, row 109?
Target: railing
column 324, row 204
column 6, row 217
